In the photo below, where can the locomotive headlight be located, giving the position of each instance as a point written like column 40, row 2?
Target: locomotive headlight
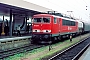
column 36, row 30
column 46, row 31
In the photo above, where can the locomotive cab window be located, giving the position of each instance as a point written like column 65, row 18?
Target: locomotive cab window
column 41, row 20
column 46, row 20
column 35, row 20
column 55, row 20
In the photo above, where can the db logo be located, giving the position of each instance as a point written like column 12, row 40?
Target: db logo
column 69, row 28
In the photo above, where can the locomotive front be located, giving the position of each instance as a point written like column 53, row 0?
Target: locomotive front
column 41, row 28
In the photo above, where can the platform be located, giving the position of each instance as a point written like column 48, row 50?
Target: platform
column 14, row 42
column 86, row 55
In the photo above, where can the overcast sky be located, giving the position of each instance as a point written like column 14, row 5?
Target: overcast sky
column 77, row 6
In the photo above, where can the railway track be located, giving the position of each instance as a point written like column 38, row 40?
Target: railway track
column 10, row 52
column 73, row 52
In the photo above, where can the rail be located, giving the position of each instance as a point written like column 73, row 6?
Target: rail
column 81, row 52
column 66, row 51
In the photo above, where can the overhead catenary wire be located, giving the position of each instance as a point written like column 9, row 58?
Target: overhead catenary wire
column 71, row 7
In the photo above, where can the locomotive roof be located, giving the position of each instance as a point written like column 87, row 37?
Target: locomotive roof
column 42, row 15
column 54, row 16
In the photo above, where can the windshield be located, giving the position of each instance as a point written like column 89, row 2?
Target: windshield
column 42, row 20
column 37, row 19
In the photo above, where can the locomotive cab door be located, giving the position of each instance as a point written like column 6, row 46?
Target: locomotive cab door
column 59, row 25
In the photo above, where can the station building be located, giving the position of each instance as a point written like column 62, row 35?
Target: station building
column 17, row 12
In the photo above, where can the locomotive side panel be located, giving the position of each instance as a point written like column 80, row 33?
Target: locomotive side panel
column 68, row 27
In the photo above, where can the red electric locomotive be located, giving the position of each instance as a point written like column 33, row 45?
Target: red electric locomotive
column 48, row 28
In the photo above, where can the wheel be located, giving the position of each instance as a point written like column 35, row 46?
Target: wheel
column 55, row 38
column 59, row 38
